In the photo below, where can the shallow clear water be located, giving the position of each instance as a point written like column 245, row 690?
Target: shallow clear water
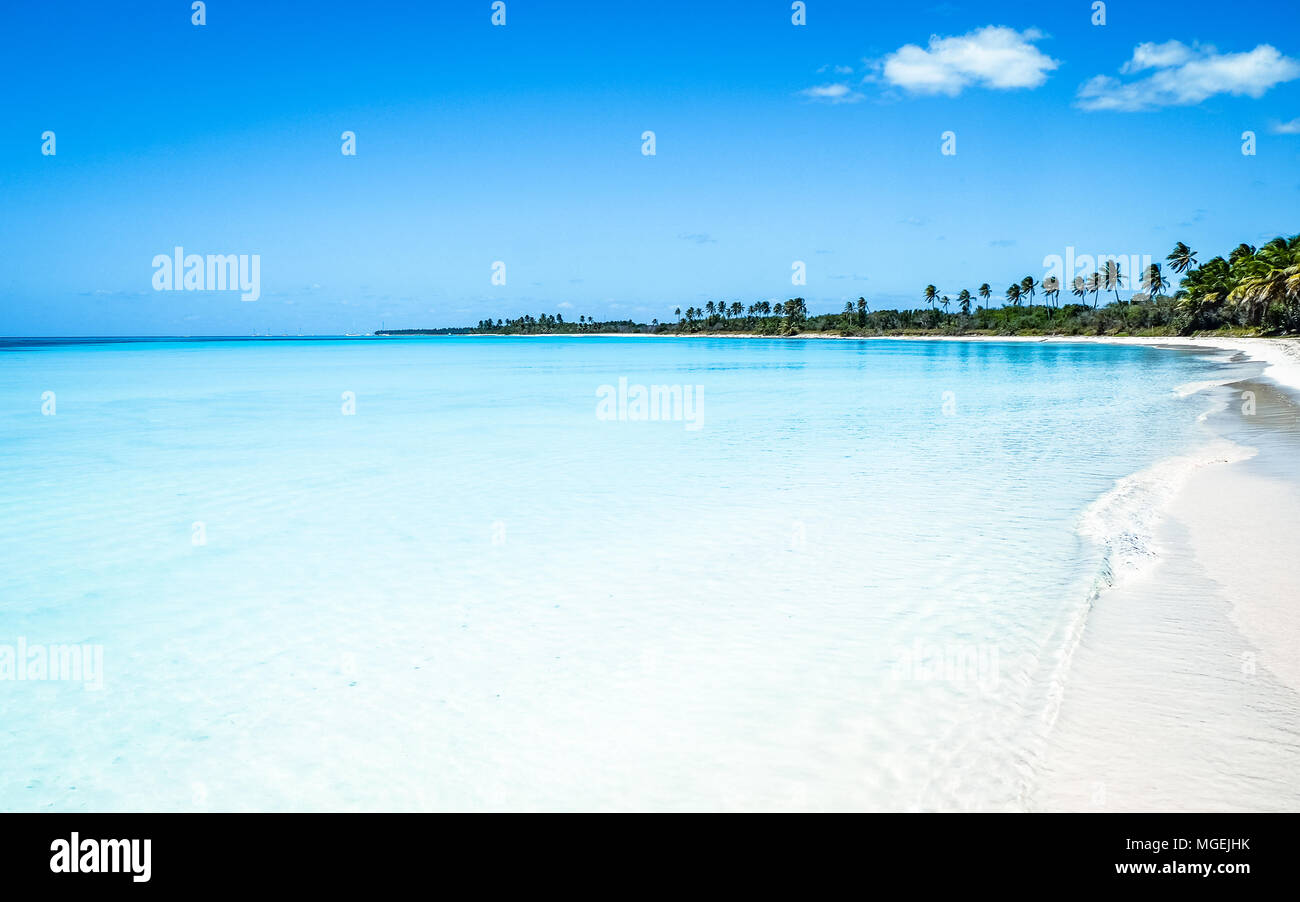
column 837, row 588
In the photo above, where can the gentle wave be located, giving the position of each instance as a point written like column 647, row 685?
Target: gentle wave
column 1187, row 389
column 1123, row 521
column 1122, row 525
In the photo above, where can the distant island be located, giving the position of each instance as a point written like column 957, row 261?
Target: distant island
column 1253, row 291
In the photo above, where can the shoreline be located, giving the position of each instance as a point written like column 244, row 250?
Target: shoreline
column 1181, row 689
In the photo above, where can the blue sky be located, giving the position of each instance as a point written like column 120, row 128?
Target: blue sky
column 775, row 143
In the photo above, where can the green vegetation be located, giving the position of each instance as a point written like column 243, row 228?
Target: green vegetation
column 1253, row 290
column 545, row 324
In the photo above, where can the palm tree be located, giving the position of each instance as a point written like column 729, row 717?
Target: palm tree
column 945, row 303
column 1027, row 286
column 931, row 295
column 1113, row 277
column 795, row 311
column 678, row 313
column 848, row 313
column 1271, row 275
column 1080, row 288
column 1052, row 288
column 736, row 308
column 1204, row 289
column 1013, row 294
column 985, row 292
column 1181, row 257
column 862, row 311
column 1094, row 286
column 963, row 300
column 1154, row 281
column 710, row 308
column 1241, row 255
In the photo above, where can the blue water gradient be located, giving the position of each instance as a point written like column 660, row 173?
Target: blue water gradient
column 474, row 593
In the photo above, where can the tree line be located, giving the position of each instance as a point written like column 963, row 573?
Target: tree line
column 1250, row 290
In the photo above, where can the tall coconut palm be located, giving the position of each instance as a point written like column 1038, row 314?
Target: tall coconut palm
column 1154, row 281
column 1027, row 286
column 963, row 300
column 945, row 303
column 848, row 313
column 1080, row 288
column 1113, row 276
column 1181, row 257
column 931, row 295
column 862, row 311
column 1052, row 288
column 1094, row 286
column 1013, row 294
column 985, row 292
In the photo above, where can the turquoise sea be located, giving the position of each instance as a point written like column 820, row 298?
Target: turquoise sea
column 430, row 573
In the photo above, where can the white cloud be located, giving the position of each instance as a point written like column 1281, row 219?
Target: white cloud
column 1157, row 56
column 1287, row 128
column 991, row 57
column 832, row 93
column 1187, row 75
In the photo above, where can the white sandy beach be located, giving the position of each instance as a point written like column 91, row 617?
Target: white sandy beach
column 1186, row 678
column 1179, row 670
column 1184, row 684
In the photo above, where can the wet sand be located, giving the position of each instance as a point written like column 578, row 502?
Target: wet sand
column 1184, row 689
